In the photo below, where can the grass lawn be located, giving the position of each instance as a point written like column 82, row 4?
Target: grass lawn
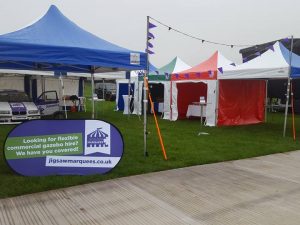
column 183, row 146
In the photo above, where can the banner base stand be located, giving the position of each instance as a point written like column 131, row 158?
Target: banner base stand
column 202, row 133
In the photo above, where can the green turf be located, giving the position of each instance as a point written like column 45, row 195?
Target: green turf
column 183, row 146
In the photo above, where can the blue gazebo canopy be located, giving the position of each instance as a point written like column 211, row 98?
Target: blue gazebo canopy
column 295, row 64
column 55, row 43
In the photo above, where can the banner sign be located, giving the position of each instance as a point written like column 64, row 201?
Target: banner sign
column 63, row 147
column 135, row 58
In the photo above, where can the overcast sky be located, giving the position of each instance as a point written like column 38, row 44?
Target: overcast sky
column 123, row 22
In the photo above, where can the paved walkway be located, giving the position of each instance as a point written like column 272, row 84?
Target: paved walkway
column 264, row 190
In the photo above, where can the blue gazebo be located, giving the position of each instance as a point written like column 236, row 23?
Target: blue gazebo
column 55, row 43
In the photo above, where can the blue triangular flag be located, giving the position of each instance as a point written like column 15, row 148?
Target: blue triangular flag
column 286, row 40
column 150, row 45
column 220, row 69
column 151, row 25
column 150, row 35
column 149, row 52
column 233, row 64
column 167, row 75
column 271, row 48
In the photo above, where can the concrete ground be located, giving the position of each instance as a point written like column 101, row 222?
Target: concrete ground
column 263, row 190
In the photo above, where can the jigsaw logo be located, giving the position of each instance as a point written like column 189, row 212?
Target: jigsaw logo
column 97, row 137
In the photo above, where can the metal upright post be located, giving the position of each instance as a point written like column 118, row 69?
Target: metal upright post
column 145, row 91
column 129, row 84
column 103, row 89
column 93, row 100
column 63, row 94
column 266, row 102
column 288, row 86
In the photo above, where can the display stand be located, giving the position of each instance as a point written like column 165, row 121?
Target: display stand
column 126, row 106
column 202, row 104
column 97, row 105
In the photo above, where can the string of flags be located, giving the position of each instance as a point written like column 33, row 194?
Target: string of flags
column 151, row 37
column 204, row 40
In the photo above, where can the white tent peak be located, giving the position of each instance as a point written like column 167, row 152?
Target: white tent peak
column 222, row 61
column 270, row 64
column 180, row 65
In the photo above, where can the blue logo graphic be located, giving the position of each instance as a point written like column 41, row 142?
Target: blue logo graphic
column 97, row 138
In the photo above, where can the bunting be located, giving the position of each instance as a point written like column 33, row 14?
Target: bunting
column 271, row 48
column 220, row 69
column 149, row 51
column 286, row 40
column 245, row 59
column 151, row 25
column 198, row 74
column 170, row 28
column 187, row 75
column 167, row 76
column 150, row 36
column 150, row 45
column 232, row 64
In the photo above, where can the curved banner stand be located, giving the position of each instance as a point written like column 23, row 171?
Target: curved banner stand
column 63, row 147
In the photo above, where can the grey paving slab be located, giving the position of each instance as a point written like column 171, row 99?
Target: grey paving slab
column 263, row 190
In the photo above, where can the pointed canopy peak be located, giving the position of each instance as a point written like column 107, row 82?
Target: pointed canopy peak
column 180, row 65
column 174, row 66
column 55, row 29
column 168, row 68
column 222, row 60
column 208, row 65
column 53, row 10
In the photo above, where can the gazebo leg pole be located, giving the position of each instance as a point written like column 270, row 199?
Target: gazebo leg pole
column 266, row 102
column 63, row 94
column 93, row 100
column 129, row 86
column 288, row 87
column 145, row 116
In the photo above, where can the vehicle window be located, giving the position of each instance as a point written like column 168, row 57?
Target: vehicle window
column 4, row 97
column 18, row 97
column 49, row 96
column 14, row 97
